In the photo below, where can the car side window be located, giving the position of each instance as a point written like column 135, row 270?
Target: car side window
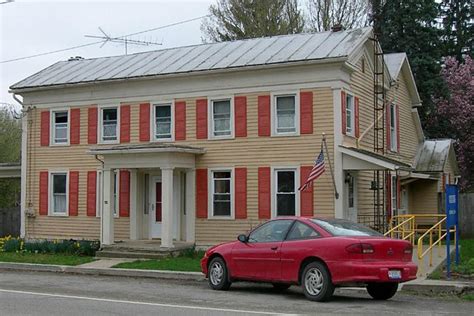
column 272, row 231
column 302, row 231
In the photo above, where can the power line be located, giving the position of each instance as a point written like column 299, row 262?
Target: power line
column 98, row 42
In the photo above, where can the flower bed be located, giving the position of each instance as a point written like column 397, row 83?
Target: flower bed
column 67, row 247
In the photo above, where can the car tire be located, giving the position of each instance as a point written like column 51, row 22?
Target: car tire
column 316, row 282
column 382, row 291
column 218, row 276
column 281, row 286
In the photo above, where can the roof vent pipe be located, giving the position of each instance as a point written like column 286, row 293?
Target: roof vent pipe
column 75, row 58
column 337, row 28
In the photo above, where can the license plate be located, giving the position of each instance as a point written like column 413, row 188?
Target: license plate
column 394, row 274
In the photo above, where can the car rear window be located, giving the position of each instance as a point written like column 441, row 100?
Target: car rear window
column 341, row 227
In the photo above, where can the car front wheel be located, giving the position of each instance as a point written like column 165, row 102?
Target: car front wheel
column 316, row 282
column 218, row 275
column 382, row 291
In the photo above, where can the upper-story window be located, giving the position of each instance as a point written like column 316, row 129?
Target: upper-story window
column 109, row 124
column 221, row 118
column 59, row 193
column 393, row 127
column 285, row 114
column 285, row 192
column 163, row 122
column 221, row 193
column 350, row 114
column 60, row 127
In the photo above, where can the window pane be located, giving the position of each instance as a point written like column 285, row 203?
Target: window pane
column 301, row 231
column 222, row 174
column 221, row 208
column 271, row 231
column 286, row 204
column 286, row 181
column 285, row 114
column 349, row 110
column 109, row 122
column 221, row 115
column 163, row 111
column 109, row 114
column 59, row 203
column 222, row 186
column 59, row 183
column 60, row 117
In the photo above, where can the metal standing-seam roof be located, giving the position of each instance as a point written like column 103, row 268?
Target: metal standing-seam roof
column 432, row 155
column 204, row 57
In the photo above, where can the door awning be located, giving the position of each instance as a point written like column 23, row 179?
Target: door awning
column 361, row 159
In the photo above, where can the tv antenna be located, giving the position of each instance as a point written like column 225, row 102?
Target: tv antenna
column 122, row 40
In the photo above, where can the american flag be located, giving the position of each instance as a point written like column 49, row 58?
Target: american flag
column 317, row 170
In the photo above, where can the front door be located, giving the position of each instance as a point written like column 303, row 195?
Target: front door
column 351, row 197
column 156, row 208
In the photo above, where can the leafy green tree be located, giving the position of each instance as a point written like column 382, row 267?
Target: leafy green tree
column 10, row 146
column 240, row 19
column 458, row 28
column 411, row 26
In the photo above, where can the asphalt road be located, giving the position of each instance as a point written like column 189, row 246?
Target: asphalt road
column 60, row 294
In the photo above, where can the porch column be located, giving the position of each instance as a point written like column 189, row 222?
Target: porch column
column 190, row 205
column 134, row 229
column 107, row 219
column 167, row 209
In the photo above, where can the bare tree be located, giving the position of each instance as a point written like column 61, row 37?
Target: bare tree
column 240, row 19
column 323, row 14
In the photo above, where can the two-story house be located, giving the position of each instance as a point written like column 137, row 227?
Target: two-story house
column 203, row 142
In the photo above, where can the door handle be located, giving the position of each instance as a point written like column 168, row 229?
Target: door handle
column 274, row 248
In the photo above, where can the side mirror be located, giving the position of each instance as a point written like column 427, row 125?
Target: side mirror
column 242, row 238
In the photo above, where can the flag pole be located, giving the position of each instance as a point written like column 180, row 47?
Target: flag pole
column 330, row 166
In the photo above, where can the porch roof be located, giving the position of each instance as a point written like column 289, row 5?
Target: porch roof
column 361, row 159
column 146, row 148
column 10, row 170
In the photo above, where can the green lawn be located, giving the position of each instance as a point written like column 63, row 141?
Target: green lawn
column 40, row 258
column 466, row 264
column 171, row 264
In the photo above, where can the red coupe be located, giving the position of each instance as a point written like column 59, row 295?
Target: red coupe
column 318, row 254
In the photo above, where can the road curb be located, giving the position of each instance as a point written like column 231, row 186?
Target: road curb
column 439, row 289
column 132, row 273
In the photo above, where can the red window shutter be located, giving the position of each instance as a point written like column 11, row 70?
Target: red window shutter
column 75, row 126
column 124, row 196
column 240, row 108
column 398, row 126
column 92, row 126
column 264, row 119
column 201, row 193
column 389, row 194
column 145, row 122
column 306, row 112
column 343, row 113
column 264, row 193
column 91, row 193
column 45, row 125
column 73, row 193
column 125, row 124
column 201, row 119
column 356, row 117
column 387, row 127
column 306, row 196
column 43, row 193
column 399, row 191
column 180, row 120
column 240, row 193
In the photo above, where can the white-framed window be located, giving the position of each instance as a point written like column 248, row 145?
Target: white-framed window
column 285, row 192
column 285, row 111
column 162, row 121
column 59, row 191
column 221, row 118
column 100, row 192
column 350, row 115
column 393, row 127
column 109, row 124
column 60, row 127
column 222, row 193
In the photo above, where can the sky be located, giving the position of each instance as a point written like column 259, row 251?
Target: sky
column 29, row 27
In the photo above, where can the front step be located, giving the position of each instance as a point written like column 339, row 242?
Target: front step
column 134, row 254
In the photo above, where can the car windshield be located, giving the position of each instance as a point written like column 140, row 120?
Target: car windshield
column 341, row 227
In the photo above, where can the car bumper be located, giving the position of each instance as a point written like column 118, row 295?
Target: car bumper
column 347, row 272
column 204, row 265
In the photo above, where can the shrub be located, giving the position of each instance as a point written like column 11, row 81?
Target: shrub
column 12, row 245
column 72, row 247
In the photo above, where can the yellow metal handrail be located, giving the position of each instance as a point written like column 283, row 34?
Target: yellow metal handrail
column 401, row 228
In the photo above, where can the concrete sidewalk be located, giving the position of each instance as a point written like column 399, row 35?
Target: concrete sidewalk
column 430, row 287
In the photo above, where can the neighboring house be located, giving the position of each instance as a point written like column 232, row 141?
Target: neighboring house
column 200, row 143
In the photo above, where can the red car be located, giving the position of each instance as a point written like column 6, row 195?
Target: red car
column 318, row 254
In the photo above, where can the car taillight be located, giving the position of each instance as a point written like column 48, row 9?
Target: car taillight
column 360, row 248
column 408, row 250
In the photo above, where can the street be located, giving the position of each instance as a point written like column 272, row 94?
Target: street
column 59, row 294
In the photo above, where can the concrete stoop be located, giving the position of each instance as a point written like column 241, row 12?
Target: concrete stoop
column 141, row 250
